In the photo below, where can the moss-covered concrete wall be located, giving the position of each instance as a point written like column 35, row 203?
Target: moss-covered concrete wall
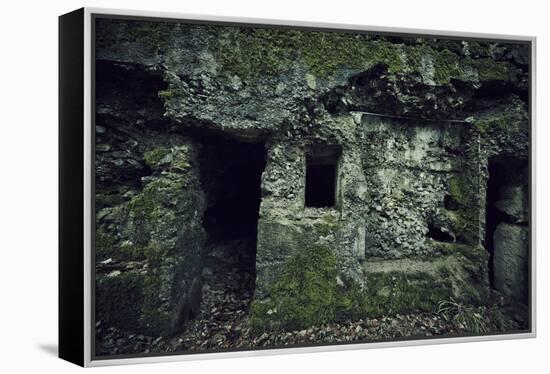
column 149, row 248
column 416, row 119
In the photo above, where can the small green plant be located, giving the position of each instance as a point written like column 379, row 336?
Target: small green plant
column 465, row 317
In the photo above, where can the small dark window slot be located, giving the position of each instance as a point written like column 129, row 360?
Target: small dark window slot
column 321, row 177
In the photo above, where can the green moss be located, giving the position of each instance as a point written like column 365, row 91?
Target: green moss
column 327, row 225
column 396, row 293
column 153, row 314
column 181, row 161
column 168, row 94
column 132, row 301
column 107, row 246
column 507, row 122
column 143, row 204
column 447, row 66
column 479, row 49
column 251, row 53
column 153, row 157
column 133, row 252
column 152, row 209
column 255, row 52
column 465, row 222
column 474, row 253
column 490, row 70
column 307, row 293
column 118, row 299
column 460, row 190
column 155, row 255
column 444, row 272
column 474, row 294
column 104, row 244
column 103, row 199
column 148, row 203
column 311, row 291
column 467, row 270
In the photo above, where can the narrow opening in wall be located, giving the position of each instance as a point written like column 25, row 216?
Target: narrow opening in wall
column 506, row 181
column 231, row 177
column 438, row 234
column 321, row 176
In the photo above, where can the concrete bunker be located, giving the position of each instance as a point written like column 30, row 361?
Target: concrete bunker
column 230, row 176
column 395, row 212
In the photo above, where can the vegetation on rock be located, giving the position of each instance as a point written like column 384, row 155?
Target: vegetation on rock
column 400, row 253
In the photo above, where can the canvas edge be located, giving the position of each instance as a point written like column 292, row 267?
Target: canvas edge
column 88, row 362
column 88, row 170
column 533, row 181
column 70, row 186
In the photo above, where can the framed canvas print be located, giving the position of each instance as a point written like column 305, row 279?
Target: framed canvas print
column 239, row 186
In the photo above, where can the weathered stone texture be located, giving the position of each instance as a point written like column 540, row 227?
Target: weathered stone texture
column 416, row 121
column 511, row 261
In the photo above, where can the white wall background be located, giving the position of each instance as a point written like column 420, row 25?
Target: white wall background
column 28, row 187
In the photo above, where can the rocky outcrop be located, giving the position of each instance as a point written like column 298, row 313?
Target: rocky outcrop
column 160, row 228
column 149, row 207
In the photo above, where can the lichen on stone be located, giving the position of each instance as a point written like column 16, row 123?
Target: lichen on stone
column 307, row 293
column 416, row 121
column 398, row 293
column 155, row 156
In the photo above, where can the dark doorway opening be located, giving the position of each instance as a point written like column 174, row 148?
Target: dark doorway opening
column 231, row 177
column 321, row 177
column 504, row 172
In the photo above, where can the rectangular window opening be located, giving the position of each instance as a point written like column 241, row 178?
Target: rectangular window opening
column 321, row 177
